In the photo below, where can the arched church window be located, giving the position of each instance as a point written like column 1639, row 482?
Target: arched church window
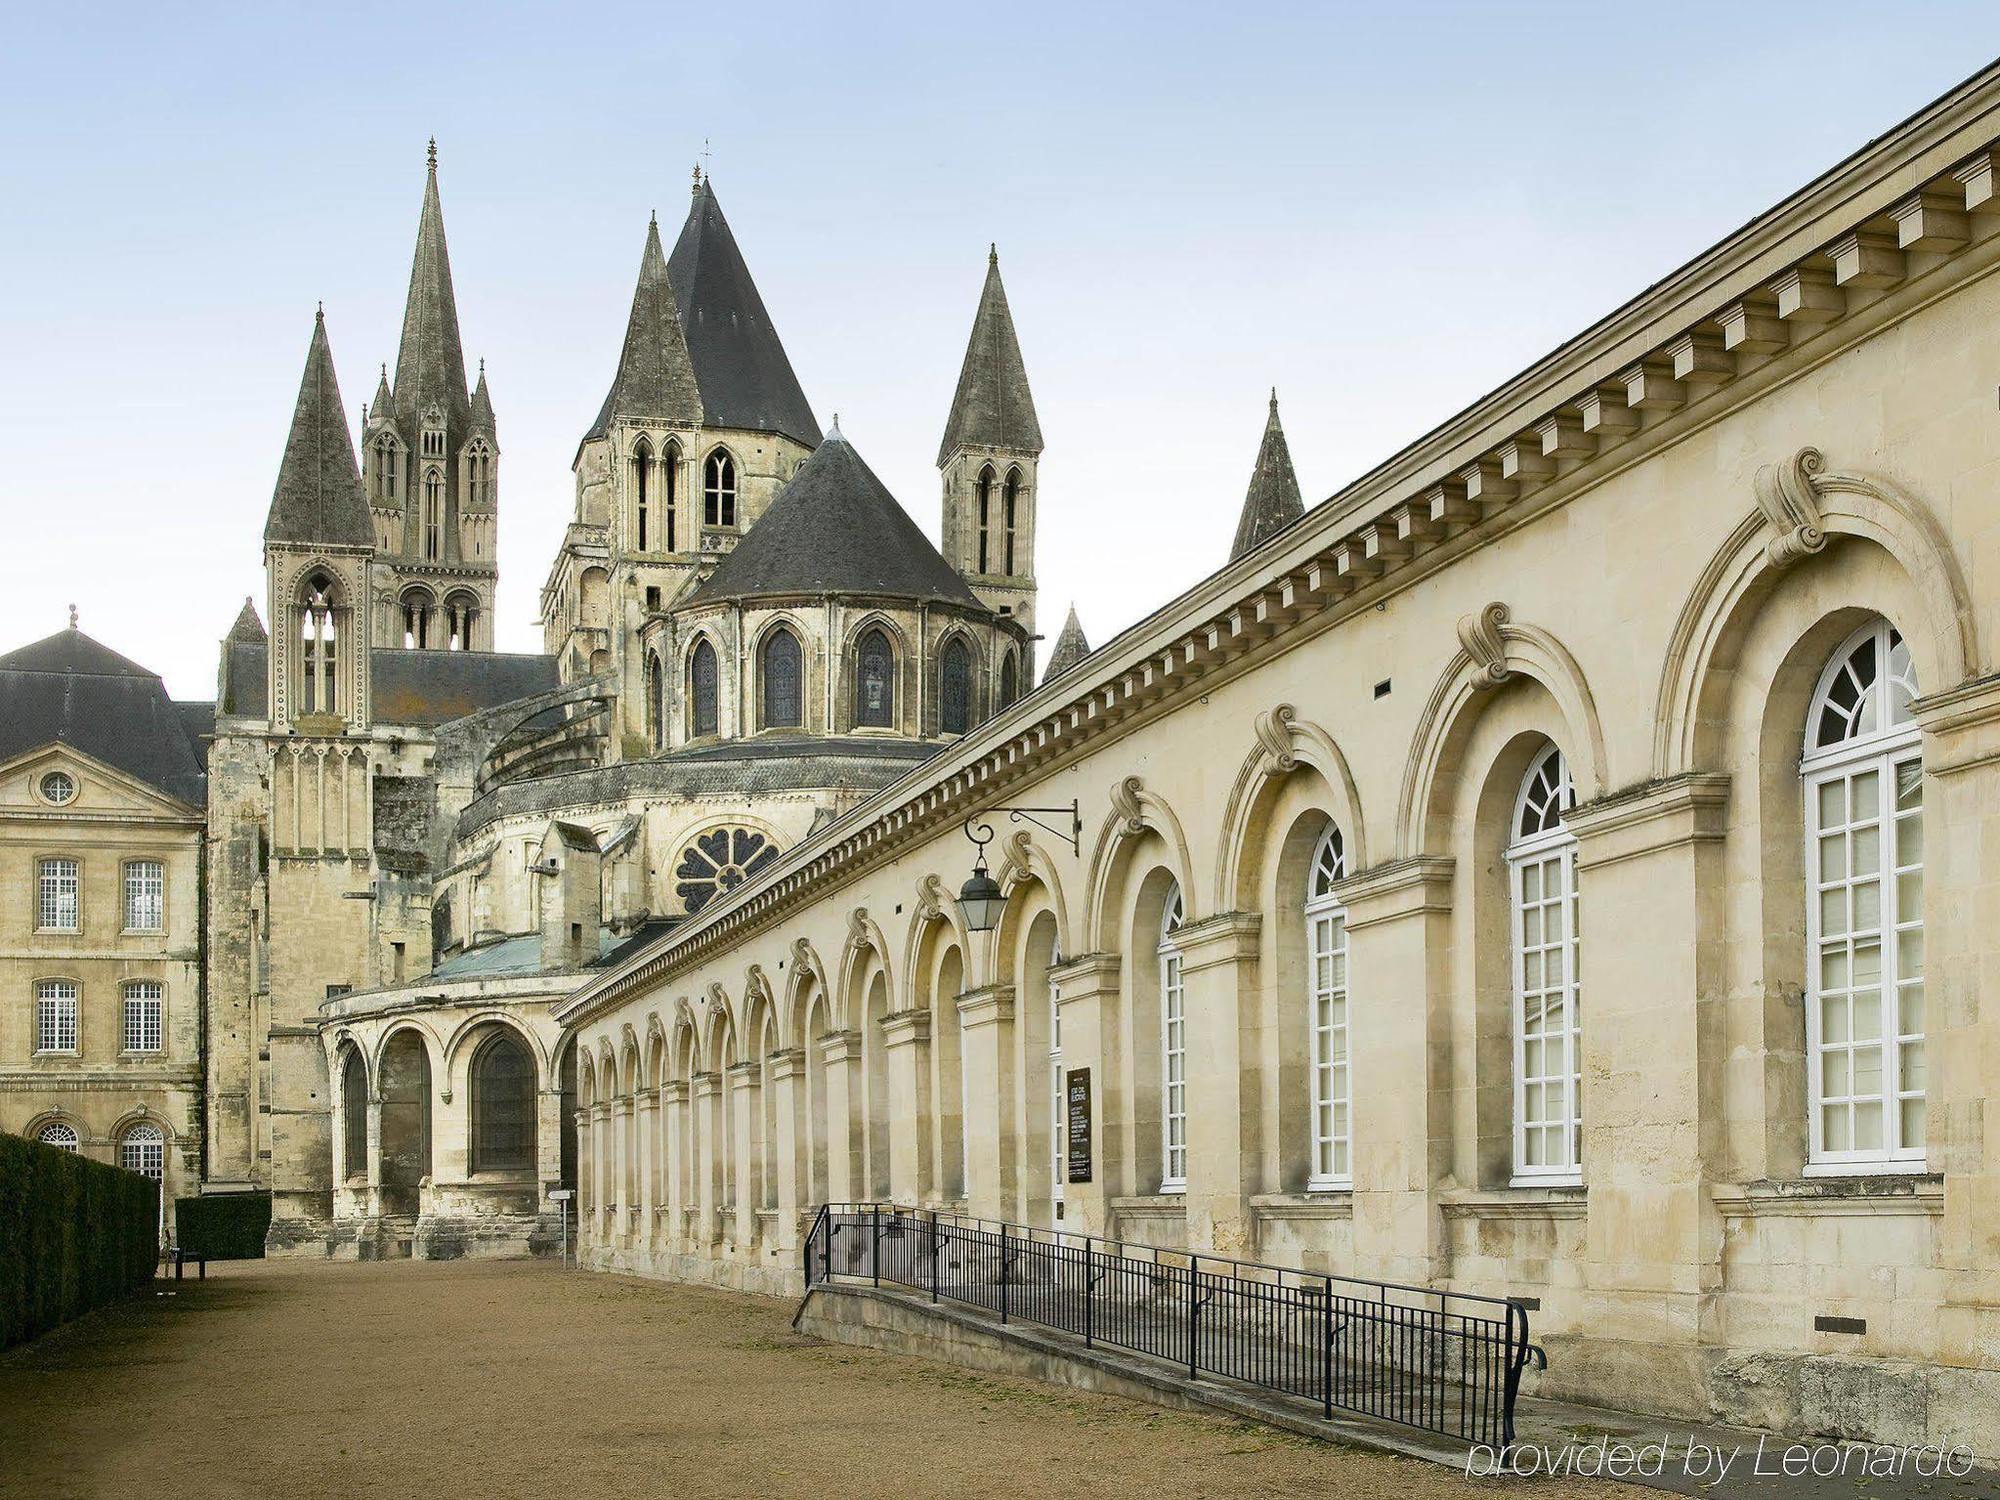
column 955, row 687
column 1548, row 1037
column 433, row 514
column 144, row 1150
column 718, row 489
column 318, row 645
column 875, row 681
column 386, row 464
column 642, row 478
column 717, row 862
column 780, row 668
column 669, row 496
column 1009, row 680
column 416, row 620
column 985, row 502
column 503, row 1106
column 1863, row 774
column 478, row 473
column 354, row 1113
column 656, row 704
column 702, row 682
column 460, row 612
column 1009, row 503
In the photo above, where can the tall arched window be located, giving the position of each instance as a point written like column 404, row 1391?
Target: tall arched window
column 144, row 1150
column 669, row 492
column 875, row 681
column 1010, row 499
column 1173, row 1051
column 318, row 631
column 354, row 1114
column 387, row 461
column 1864, row 786
column 656, row 703
column 503, row 1106
column 955, row 687
column 1326, row 958
column 642, row 499
column 718, row 489
column 478, row 473
column 702, row 695
column 460, row 612
column 433, row 514
column 1548, row 1068
column 985, row 502
column 1009, row 680
column 780, row 670
column 62, row 1137
column 416, row 620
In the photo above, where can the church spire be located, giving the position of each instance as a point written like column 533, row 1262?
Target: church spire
column 992, row 407
column 430, row 361
column 318, row 497
column 1272, row 502
column 655, row 378
column 1070, row 648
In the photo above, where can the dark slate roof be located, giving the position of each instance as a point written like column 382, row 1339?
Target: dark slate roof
column 430, row 360
column 198, row 719
column 247, row 627
column 318, row 497
column 68, row 689
column 992, row 407
column 1272, row 502
column 655, row 376
column 419, row 688
column 1070, row 648
column 835, row 528
column 746, row 378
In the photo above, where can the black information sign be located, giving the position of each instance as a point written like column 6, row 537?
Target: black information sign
column 1077, row 1123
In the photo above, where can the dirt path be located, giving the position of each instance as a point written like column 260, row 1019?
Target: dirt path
column 516, row 1379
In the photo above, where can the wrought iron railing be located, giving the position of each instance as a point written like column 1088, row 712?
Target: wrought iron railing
column 1446, row 1362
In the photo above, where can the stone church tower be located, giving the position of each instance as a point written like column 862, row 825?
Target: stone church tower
column 433, row 468
column 991, row 450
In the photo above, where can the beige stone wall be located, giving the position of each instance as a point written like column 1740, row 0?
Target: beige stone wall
column 101, row 1090
column 1641, row 552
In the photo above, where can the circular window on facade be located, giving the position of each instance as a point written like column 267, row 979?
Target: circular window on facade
column 58, row 787
column 718, row 861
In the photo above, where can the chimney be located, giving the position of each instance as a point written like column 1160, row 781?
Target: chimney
column 570, row 868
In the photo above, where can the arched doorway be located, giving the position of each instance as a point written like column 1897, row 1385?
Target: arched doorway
column 406, row 1123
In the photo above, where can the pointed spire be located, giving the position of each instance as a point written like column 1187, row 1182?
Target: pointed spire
column 655, row 378
column 382, row 406
column 482, row 405
column 430, row 361
column 1273, row 501
column 1070, row 648
column 318, row 496
column 247, row 627
column 992, row 407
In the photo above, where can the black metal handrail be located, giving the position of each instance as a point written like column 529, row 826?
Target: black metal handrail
column 1447, row 1362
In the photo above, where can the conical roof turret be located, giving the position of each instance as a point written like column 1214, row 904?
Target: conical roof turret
column 430, row 361
column 318, row 497
column 1070, row 648
column 656, row 378
column 1273, row 501
column 992, row 407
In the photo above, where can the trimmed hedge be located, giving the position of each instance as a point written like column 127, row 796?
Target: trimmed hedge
column 226, row 1226
column 74, row 1234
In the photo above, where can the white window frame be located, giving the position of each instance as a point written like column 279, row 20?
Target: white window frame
column 145, row 879
column 1537, row 854
column 1330, row 1091
column 1886, row 745
column 1173, row 1050
column 1058, row 1120
column 143, row 1149
column 64, row 1136
column 142, row 1015
column 58, row 1021
column 56, row 878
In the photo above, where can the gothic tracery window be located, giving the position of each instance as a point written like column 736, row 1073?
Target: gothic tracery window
column 433, row 514
column 1009, row 680
column 1326, row 959
column 642, row 480
column 955, row 687
column 1009, row 504
column 875, row 681
column 354, row 1113
column 985, row 519
column 1864, row 791
column 718, row 489
column 718, row 861
column 1548, row 1062
column 318, row 644
column 702, row 689
column 780, row 668
column 503, row 1106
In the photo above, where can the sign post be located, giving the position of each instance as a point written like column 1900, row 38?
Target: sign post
column 562, row 1197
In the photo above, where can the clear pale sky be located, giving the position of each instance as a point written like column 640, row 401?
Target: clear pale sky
column 1382, row 210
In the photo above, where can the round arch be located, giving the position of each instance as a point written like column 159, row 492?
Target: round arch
column 1285, row 744
column 1135, row 812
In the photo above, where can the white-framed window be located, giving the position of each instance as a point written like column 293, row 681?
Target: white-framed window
column 1548, row 1067
column 144, row 1150
column 718, row 489
column 1863, row 777
column 58, row 788
column 62, row 1137
column 56, row 906
column 145, row 895
column 1173, row 1051
column 142, row 1015
column 55, row 1015
column 1058, row 1105
column 1326, row 1016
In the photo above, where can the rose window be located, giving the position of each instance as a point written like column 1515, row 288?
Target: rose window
column 719, row 861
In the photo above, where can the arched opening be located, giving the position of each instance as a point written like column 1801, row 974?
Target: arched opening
column 1548, row 1063
column 1009, row 680
column 570, row 1098
column 718, row 489
column 1173, row 1046
column 983, row 500
column 353, row 1117
column 818, row 1125
column 1037, row 1007
column 656, row 703
column 1330, row 1090
column 766, row 1114
column 406, row 1123
column 875, row 681
column 703, row 678
column 1010, row 500
column 503, row 1105
column 62, row 1137
column 319, row 636
column 461, row 614
column 876, row 1119
column 387, row 461
column 642, row 495
column 418, row 613
column 668, row 493
column 955, row 687
column 780, row 681
column 948, row 1065
column 433, row 514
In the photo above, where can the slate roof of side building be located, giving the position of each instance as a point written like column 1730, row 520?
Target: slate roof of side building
column 835, row 529
column 69, row 689
column 419, row 688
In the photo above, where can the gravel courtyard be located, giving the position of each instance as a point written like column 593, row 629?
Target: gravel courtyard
column 517, row 1379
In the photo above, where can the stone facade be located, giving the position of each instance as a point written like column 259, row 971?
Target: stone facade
column 1683, row 630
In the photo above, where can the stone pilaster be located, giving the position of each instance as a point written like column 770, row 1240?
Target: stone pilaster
column 645, row 1232
column 674, row 1106
column 906, row 1034
column 745, row 1104
column 840, row 1052
column 986, row 1024
column 707, row 1106
column 788, row 1079
column 1220, row 970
